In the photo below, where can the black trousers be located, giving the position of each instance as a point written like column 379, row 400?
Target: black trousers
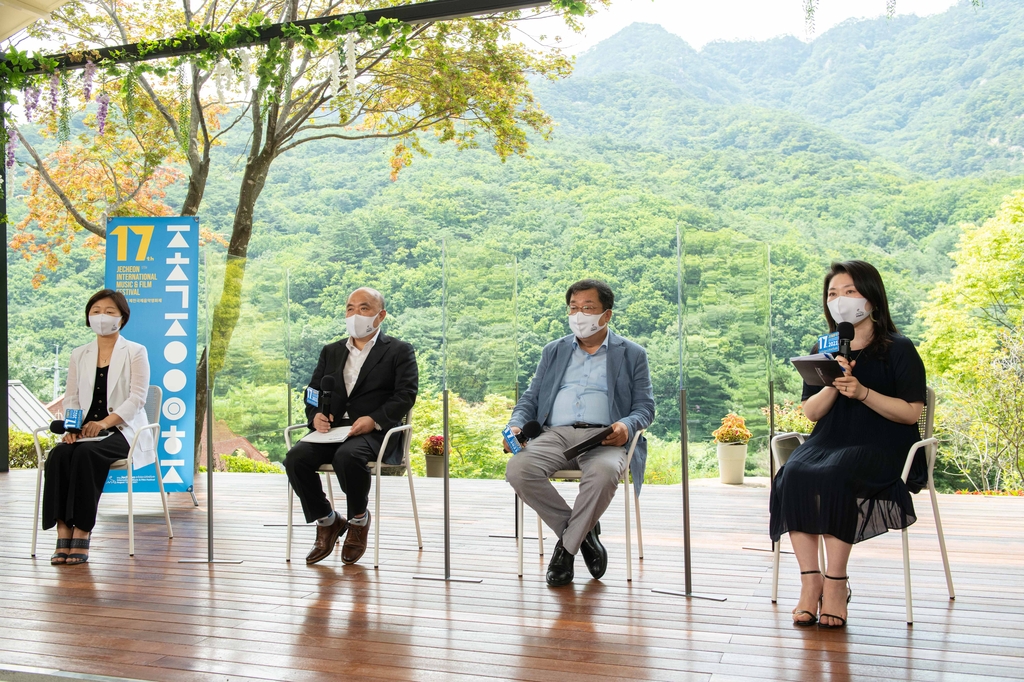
column 74, row 478
column 349, row 460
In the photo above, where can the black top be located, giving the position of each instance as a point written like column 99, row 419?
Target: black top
column 845, row 480
column 99, row 409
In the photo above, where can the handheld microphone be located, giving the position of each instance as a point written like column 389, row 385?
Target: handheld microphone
column 846, row 333
column 57, row 427
column 531, row 429
column 326, row 390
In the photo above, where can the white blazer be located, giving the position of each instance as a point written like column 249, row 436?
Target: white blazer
column 127, row 388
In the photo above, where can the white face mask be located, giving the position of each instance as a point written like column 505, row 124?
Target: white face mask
column 104, row 325
column 847, row 309
column 360, row 326
column 584, row 326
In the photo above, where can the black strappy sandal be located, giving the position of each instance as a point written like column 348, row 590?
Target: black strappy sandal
column 813, row 616
column 849, row 596
column 59, row 557
column 75, row 559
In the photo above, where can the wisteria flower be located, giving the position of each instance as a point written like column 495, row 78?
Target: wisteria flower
column 31, row 102
column 90, row 71
column 11, row 141
column 54, row 88
column 103, row 100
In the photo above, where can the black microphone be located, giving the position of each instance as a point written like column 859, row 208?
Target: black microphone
column 57, row 427
column 846, row 333
column 531, row 429
column 326, row 389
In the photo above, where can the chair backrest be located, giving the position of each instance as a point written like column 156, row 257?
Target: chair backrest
column 407, row 438
column 926, row 422
column 154, row 399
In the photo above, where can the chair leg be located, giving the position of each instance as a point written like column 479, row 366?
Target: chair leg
column 821, row 553
column 131, row 513
column 629, row 539
column 776, row 556
column 906, row 577
column 519, row 533
column 376, row 524
column 639, row 528
column 942, row 540
column 540, row 534
column 35, row 515
column 288, row 534
column 330, row 489
column 415, row 514
column 163, row 498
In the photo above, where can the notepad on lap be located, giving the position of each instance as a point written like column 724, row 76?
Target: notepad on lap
column 336, row 435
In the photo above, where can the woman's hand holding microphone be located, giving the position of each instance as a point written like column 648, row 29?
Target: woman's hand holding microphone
column 848, row 385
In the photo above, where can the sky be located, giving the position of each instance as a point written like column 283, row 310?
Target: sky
column 702, row 21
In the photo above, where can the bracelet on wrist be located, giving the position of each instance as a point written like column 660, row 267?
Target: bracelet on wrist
column 866, row 392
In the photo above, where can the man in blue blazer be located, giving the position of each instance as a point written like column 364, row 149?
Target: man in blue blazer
column 584, row 383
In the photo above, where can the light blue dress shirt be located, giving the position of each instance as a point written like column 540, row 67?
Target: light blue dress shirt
column 583, row 394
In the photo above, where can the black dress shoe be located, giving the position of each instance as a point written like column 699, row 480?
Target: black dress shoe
column 594, row 553
column 560, row 568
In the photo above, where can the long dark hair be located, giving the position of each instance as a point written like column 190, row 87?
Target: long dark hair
column 869, row 284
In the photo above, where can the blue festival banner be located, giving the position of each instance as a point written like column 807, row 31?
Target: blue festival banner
column 154, row 262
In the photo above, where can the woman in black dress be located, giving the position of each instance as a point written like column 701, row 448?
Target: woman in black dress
column 108, row 379
column 844, row 483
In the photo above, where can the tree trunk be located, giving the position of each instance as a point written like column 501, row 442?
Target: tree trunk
column 228, row 308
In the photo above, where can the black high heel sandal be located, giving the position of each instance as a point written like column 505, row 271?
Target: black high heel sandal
column 849, row 596
column 813, row 616
column 59, row 557
column 75, row 559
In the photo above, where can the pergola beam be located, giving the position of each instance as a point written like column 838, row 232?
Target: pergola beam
column 437, row 10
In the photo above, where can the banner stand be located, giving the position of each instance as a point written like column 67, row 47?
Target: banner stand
column 209, row 442
column 684, row 438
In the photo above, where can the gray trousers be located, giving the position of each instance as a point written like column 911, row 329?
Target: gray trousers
column 602, row 469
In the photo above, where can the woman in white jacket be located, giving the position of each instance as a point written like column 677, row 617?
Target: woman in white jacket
column 108, row 378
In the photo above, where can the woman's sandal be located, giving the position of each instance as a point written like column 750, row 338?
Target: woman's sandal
column 849, row 596
column 59, row 557
column 813, row 616
column 75, row 559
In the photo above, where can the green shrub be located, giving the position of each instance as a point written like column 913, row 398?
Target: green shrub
column 22, row 449
column 239, row 463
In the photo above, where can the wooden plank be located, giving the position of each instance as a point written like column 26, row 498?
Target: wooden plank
column 151, row 617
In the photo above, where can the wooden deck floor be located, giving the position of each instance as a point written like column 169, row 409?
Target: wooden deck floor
column 152, row 618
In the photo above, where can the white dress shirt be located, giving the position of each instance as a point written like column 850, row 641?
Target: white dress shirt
column 354, row 363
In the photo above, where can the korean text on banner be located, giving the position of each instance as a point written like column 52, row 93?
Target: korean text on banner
column 154, row 262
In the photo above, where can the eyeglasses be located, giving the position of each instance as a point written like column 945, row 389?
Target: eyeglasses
column 586, row 310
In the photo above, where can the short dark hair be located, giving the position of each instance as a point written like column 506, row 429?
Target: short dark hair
column 604, row 292
column 868, row 282
column 117, row 297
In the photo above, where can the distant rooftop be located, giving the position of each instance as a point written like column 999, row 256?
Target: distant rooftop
column 26, row 412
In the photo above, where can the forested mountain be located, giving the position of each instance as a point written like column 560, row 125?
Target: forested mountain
column 875, row 141
column 938, row 95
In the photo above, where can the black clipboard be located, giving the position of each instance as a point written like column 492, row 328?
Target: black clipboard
column 817, row 370
column 589, row 444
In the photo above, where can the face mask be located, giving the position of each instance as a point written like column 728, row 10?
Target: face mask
column 360, row 326
column 104, row 325
column 846, row 309
column 584, row 326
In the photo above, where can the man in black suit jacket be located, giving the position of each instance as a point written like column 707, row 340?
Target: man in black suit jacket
column 375, row 385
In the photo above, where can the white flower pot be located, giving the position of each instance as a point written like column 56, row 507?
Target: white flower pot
column 732, row 458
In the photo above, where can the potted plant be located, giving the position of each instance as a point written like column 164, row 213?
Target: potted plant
column 433, row 451
column 732, row 437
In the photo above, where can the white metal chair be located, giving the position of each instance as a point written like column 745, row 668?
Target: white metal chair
column 375, row 468
column 931, row 448
column 154, row 399
column 577, row 474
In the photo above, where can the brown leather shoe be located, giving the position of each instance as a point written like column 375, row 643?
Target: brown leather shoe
column 355, row 541
column 326, row 539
